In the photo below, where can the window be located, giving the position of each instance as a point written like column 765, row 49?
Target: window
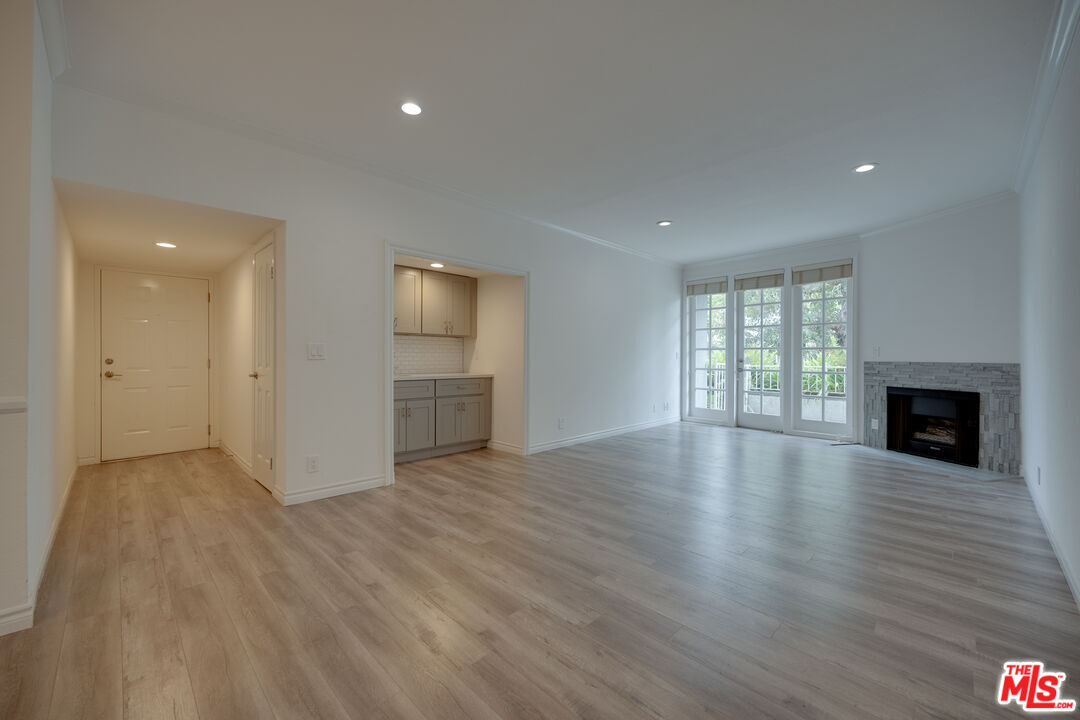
column 822, row 296
column 710, row 328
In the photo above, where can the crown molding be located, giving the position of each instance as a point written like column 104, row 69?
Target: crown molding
column 320, row 152
column 54, row 29
column 708, row 264
column 1055, row 53
column 943, row 212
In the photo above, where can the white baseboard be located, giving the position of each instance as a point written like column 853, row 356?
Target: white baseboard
column 506, row 447
column 88, row 460
column 599, row 435
column 1070, row 578
column 244, row 465
column 35, row 583
column 319, row 493
column 16, row 618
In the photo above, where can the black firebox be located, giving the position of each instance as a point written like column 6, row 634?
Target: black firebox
column 941, row 424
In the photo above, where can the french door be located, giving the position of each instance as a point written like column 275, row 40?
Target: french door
column 773, row 352
column 821, row 299
column 711, row 374
column 759, row 338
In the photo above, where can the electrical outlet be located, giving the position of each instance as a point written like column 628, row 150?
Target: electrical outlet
column 562, row 423
column 874, row 424
column 316, row 351
column 877, row 351
column 667, row 406
column 312, row 463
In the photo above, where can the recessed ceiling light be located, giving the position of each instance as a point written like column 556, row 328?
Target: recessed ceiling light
column 437, row 265
column 165, row 244
column 864, row 168
column 664, row 223
column 410, row 108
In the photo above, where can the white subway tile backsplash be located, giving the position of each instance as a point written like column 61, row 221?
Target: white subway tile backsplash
column 427, row 354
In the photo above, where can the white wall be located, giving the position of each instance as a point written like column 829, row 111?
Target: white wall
column 236, row 391
column 50, row 416
column 16, row 93
column 86, row 366
column 1050, row 340
column 944, row 289
column 588, row 364
column 499, row 349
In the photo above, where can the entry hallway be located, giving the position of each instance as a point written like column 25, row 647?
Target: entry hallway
column 685, row 571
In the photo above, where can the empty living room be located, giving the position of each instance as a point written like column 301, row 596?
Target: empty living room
column 611, row 359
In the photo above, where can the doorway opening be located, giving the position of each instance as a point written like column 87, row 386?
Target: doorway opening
column 456, row 357
column 177, row 334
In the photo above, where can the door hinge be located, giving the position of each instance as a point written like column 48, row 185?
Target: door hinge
column 271, row 272
column 207, row 297
column 207, row 363
column 208, row 429
column 271, row 463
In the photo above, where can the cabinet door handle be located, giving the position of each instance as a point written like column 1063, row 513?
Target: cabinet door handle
column 408, row 412
column 451, row 327
column 395, row 322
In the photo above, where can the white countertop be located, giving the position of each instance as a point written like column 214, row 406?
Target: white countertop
column 442, row 376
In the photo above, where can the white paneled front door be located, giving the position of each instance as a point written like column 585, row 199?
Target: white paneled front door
column 264, row 366
column 154, row 364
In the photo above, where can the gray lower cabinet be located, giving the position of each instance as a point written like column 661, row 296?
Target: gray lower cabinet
column 414, row 425
column 400, row 429
column 438, row 415
column 461, row 420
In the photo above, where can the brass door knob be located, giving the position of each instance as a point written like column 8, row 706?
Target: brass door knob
column 253, row 375
column 111, row 374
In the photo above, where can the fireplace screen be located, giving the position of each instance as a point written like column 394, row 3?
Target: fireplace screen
column 941, row 424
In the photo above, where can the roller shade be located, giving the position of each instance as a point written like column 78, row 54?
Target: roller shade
column 834, row 270
column 707, row 287
column 753, row 281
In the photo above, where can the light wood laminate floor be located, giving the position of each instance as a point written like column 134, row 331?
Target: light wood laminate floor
column 680, row 572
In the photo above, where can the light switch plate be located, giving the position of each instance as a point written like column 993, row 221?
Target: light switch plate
column 316, row 351
column 873, row 423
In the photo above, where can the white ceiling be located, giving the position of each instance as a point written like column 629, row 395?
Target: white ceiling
column 737, row 119
column 110, row 227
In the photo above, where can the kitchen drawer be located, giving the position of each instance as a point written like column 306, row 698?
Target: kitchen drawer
column 409, row 389
column 461, row 386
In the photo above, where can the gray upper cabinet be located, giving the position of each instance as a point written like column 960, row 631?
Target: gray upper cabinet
column 448, row 304
column 408, row 295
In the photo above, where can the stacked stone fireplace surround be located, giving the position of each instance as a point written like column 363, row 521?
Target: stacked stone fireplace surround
column 998, row 385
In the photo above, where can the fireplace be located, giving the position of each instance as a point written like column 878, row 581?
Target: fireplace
column 941, row 424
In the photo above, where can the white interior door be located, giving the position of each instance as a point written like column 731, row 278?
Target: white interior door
column 154, row 364
column 759, row 401
column 263, row 372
